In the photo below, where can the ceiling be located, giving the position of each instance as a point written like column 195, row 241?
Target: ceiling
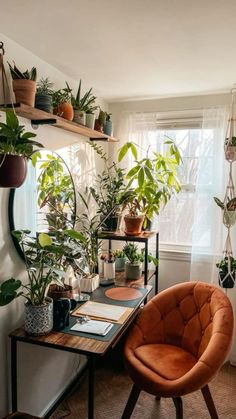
column 131, row 49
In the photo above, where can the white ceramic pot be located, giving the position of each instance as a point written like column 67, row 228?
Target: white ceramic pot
column 79, row 117
column 39, row 319
column 89, row 283
column 90, row 120
column 109, row 270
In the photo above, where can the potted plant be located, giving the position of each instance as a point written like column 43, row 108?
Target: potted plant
column 152, row 181
column 87, row 238
column 43, row 98
column 108, row 126
column 100, row 121
column 82, row 104
column 41, row 257
column 108, row 190
column 109, row 267
column 61, row 100
column 230, row 149
column 227, row 269
column 229, row 211
column 90, row 109
column 120, row 260
column 16, row 147
column 133, row 267
column 24, row 84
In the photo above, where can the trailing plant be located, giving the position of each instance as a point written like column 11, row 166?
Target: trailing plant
column 17, row 74
column 84, row 103
column 224, row 264
column 230, row 142
column 152, row 180
column 14, row 139
column 44, row 87
column 230, row 205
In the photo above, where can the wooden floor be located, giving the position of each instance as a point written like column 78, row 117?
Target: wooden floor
column 112, row 388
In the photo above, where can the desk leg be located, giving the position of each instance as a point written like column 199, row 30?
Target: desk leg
column 90, row 387
column 14, row 374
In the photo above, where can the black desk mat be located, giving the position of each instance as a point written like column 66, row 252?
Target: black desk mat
column 99, row 296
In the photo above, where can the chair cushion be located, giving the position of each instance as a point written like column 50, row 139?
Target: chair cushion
column 168, row 361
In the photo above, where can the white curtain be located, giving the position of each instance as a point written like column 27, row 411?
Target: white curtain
column 208, row 232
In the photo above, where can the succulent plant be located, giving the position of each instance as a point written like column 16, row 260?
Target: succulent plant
column 17, row 74
column 44, row 87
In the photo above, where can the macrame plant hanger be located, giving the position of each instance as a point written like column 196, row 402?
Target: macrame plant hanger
column 229, row 211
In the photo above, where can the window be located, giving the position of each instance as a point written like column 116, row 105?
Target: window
column 196, row 144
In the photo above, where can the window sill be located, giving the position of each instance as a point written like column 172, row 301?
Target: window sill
column 175, row 255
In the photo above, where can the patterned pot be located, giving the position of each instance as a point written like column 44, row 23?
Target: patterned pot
column 39, row 319
column 79, row 117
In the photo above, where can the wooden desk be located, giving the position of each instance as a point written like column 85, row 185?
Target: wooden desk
column 76, row 344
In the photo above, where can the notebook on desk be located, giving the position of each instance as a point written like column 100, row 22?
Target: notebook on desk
column 95, row 327
column 113, row 313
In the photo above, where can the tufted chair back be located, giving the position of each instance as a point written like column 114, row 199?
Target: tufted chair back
column 180, row 340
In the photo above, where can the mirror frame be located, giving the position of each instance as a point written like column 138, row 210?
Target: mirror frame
column 11, row 208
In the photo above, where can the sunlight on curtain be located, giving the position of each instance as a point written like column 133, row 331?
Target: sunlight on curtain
column 207, row 241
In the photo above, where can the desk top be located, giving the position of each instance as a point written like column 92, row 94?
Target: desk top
column 79, row 344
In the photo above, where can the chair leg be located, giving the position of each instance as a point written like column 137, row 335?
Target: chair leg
column 133, row 397
column 179, row 407
column 209, row 402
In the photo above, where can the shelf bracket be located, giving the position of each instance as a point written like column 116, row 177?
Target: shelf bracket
column 36, row 122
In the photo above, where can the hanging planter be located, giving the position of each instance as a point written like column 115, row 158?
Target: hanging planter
column 230, row 140
column 13, row 170
column 15, row 148
column 227, row 267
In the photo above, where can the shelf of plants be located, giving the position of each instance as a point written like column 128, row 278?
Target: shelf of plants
column 41, row 117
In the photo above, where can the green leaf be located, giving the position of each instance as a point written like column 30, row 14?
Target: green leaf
column 134, row 150
column 10, row 285
column 73, row 234
column 35, row 156
column 123, row 151
column 132, row 172
column 141, row 177
column 44, row 240
column 12, row 120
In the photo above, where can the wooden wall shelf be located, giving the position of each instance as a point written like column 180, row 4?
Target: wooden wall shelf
column 40, row 117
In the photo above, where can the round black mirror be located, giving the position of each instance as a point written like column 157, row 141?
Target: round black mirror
column 47, row 200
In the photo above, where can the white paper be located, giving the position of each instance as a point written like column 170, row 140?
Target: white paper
column 94, row 327
column 104, row 311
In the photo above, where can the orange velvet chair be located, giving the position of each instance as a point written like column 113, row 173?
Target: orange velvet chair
column 178, row 343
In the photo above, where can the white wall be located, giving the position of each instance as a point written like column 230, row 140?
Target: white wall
column 43, row 372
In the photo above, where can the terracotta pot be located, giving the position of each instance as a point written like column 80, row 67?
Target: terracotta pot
column 55, row 291
column 13, row 170
column 24, row 91
column 65, row 110
column 133, row 224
